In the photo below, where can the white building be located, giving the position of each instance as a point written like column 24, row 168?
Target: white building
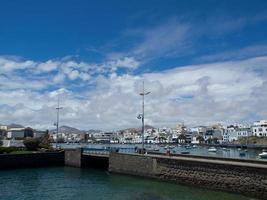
column 15, row 133
column 238, row 133
column 259, row 128
column 19, row 133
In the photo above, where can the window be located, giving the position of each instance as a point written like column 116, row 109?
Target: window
column 260, row 129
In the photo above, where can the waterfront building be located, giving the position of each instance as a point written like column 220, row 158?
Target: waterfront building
column 259, row 128
column 213, row 135
column 19, row 133
column 239, row 133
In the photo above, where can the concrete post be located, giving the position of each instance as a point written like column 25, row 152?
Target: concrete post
column 73, row 157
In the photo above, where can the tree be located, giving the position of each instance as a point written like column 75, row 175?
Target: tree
column 182, row 138
column 31, row 144
column 209, row 140
column 200, row 139
column 45, row 142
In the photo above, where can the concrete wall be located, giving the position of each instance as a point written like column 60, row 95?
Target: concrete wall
column 11, row 161
column 73, row 157
column 132, row 164
column 220, row 175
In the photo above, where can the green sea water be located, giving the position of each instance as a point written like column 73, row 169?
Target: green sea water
column 64, row 183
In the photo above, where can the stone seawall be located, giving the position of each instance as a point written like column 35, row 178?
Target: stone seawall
column 12, row 161
column 244, row 178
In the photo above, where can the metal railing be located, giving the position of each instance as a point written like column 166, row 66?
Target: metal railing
column 107, row 150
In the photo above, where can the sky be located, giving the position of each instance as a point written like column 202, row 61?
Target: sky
column 204, row 62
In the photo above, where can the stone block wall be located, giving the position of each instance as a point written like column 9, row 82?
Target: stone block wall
column 132, row 164
column 250, row 181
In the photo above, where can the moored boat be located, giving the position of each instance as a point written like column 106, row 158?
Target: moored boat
column 185, row 152
column 212, row 149
column 242, row 153
column 263, row 154
column 156, row 149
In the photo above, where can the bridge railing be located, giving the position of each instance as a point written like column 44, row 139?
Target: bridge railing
column 107, row 150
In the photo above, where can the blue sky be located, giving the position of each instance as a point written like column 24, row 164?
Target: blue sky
column 96, row 52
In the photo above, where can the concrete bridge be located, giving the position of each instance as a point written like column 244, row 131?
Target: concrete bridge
column 247, row 177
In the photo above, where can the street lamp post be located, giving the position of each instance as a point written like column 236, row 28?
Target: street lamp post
column 57, row 123
column 142, row 116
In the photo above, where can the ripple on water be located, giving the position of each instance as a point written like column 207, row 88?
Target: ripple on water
column 60, row 183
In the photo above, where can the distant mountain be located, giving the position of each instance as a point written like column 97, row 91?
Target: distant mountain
column 139, row 129
column 93, row 131
column 67, row 129
column 15, row 126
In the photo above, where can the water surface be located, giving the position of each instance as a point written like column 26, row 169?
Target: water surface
column 64, row 183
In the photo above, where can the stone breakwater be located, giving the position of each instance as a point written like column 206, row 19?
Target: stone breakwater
column 238, row 177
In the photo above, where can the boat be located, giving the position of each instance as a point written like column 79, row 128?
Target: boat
column 171, row 147
column 188, row 147
column 185, row 152
column 156, row 149
column 242, row 153
column 212, row 149
column 194, row 146
column 263, row 154
column 167, row 147
column 179, row 145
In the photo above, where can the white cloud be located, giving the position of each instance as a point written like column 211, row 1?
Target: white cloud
column 73, row 74
column 198, row 94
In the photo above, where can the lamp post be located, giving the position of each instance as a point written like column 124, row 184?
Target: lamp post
column 57, row 123
column 142, row 116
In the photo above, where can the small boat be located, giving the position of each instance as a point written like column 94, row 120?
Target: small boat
column 179, row 145
column 194, row 146
column 225, row 149
column 242, row 153
column 212, row 149
column 171, row 147
column 263, row 154
column 188, row 147
column 185, row 152
column 156, row 149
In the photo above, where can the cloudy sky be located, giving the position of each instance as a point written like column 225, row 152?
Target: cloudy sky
column 203, row 61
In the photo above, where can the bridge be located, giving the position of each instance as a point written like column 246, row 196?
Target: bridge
column 248, row 177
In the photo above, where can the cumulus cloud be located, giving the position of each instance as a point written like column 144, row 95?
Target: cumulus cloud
column 226, row 92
